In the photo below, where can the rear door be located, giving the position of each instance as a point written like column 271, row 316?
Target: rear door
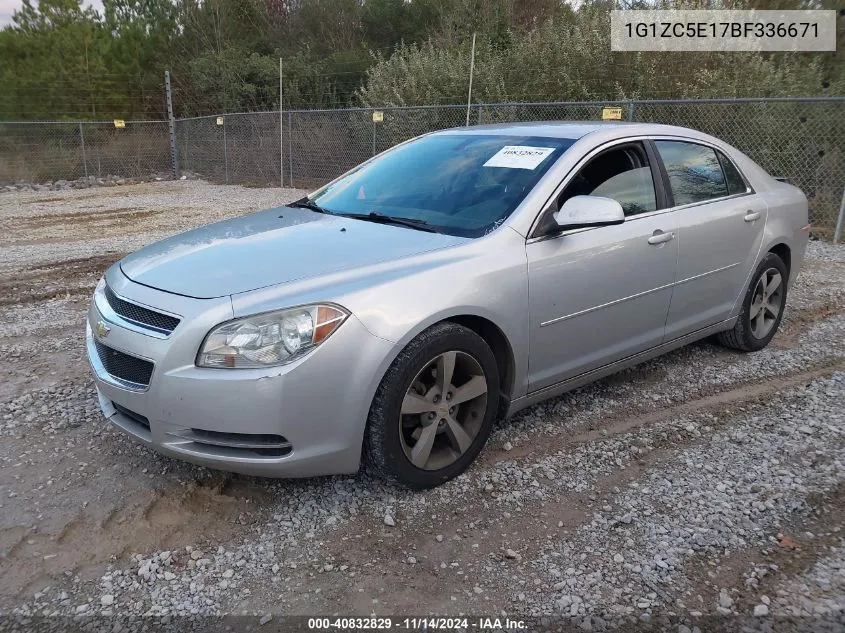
column 719, row 222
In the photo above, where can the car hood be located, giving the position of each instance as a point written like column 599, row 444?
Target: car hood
column 269, row 248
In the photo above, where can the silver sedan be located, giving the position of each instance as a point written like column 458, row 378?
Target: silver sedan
column 459, row 277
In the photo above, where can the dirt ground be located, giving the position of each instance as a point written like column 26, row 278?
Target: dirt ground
column 611, row 500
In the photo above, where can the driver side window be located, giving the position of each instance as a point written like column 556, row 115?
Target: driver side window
column 621, row 173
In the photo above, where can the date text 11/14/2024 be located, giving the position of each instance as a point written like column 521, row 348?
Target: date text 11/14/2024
column 416, row 623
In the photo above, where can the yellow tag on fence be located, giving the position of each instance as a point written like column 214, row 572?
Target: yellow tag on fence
column 220, row 120
column 614, row 114
column 378, row 116
column 119, row 124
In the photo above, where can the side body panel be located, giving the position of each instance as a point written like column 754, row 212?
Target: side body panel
column 783, row 209
column 597, row 296
column 718, row 249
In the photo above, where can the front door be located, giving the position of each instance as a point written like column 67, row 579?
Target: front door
column 601, row 294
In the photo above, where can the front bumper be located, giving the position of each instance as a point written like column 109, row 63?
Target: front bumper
column 299, row 420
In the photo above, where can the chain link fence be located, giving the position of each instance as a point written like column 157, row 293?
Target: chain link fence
column 802, row 139
column 50, row 151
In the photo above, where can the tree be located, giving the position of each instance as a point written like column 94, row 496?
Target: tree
column 60, row 59
column 52, row 61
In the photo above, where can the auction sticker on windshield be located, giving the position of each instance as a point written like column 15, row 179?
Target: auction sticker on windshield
column 519, row 157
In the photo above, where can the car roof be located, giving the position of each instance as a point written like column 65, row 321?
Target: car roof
column 566, row 129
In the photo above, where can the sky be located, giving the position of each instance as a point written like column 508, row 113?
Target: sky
column 7, row 7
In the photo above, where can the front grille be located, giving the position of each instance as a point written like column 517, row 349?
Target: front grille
column 123, row 366
column 135, row 417
column 140, row 315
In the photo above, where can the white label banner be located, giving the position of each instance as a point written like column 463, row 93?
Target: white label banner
column 722, row 30
column 519, row 157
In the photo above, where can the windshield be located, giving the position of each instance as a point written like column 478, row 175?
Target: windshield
column 462, row 185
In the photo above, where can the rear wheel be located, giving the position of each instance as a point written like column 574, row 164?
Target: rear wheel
column 762, row 307
column 434, row 409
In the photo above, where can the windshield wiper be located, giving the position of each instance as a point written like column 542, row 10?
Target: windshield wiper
column 381, row 218
column 308, row 203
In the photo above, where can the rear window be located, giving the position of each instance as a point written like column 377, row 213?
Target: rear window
column 695, row 174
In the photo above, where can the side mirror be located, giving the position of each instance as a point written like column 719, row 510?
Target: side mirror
column 583, row 211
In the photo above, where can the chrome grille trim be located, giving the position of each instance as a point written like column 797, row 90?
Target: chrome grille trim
column 240, row 440
column 139, row 315
column 233, row 445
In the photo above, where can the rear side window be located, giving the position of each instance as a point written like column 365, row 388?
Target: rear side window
column 736, row 183
column 695, row 174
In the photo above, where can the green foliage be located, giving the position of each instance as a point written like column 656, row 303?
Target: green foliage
column 62, row 60
column 568, row 58
column 235, row 80
column 50, row 58
column 388, row 23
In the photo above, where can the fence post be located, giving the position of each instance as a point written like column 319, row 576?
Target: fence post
column 82, row 145
column 471, row 70
column 374, row 134
column 281, row 128
column 174, row 154
column 225, row 151
column 185, row 146
column 480, row 113
column 631, row 106
column 838, row 232
column 290, row 152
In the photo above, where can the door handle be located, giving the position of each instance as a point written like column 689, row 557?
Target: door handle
column 751, row 216
column 660, row 237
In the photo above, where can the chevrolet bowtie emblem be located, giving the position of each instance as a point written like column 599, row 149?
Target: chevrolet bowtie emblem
column 102, row 329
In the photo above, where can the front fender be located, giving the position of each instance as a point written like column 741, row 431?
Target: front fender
column 491, row 282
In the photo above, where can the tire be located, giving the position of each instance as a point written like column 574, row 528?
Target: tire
column 392, row 438
column 748, row 335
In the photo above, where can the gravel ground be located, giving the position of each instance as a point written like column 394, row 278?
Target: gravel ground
column 704, row 484
column 818, row 592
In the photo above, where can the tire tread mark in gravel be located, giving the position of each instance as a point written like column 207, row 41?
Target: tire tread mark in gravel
column 30, row 286
column 620, row 423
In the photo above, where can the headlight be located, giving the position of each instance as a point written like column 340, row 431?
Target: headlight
column 272, row 338
column 100, row 285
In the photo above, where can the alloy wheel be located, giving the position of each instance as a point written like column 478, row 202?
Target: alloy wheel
column 443, row 410
column 766, row 303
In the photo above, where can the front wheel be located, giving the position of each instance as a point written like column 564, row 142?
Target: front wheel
column 762, row 307
column 434, row 409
